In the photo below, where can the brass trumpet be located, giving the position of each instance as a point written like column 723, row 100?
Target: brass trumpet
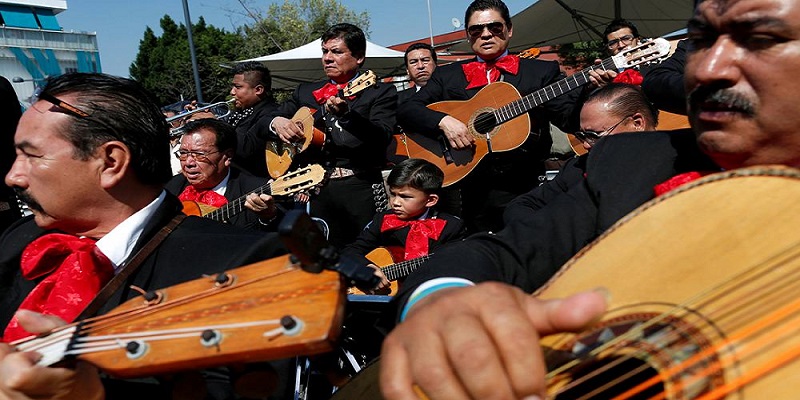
column 227, row 105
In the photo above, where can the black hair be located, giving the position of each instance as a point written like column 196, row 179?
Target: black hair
column 618, row 24
column 255, row 74
column 481, row 5
column 421, row 46
column 626, row 99
column 224, row 132
column 417, row 173
column 119, row 109
column 352, row 36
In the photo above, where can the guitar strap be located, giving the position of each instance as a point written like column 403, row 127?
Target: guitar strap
column 129, row 268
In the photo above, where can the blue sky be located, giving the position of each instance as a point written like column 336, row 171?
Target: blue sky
column 120, row 24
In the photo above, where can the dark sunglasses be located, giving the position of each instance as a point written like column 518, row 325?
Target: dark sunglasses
column 592, row 137
column 66, row 107
column 496, row 28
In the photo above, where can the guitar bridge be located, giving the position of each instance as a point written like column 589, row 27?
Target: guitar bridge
column 448, row 156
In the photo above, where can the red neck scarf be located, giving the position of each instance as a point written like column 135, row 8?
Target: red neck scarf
column 417, row 239
column 77, row 271
column 322, row 94
column 476, row 71
column 208, row 196
column 678, row 181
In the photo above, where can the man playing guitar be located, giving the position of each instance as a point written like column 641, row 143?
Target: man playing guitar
column 357, row 130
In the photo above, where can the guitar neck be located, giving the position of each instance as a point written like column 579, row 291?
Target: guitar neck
column 399, row 270
column 547, row 93
column 235, row 206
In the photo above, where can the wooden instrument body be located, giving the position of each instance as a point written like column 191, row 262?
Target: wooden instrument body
column 264, row 291
column 279, row 155
column 382, row 258
column 703, row 291
column 716, row 258
column 460, row 162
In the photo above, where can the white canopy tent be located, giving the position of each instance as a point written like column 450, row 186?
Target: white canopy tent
column 303, row 64
column 551, row 22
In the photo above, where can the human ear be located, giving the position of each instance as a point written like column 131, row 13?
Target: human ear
column 116, row 158
column 432, row 200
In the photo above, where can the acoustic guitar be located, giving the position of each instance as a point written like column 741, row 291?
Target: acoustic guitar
column 393, row 271
column 704, row 287
column 264, row 311
column 497, row 115
column 280, row 155
column 297, row 181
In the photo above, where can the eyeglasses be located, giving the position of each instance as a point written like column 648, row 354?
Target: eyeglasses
column 420, row 61
column 591, row 137
column 626, row 40
column 495, row 28
column 202, row 156
column 68, row 108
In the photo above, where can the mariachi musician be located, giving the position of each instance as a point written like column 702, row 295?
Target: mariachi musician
column 205, row 152
column 501, row 176
column 357, row 130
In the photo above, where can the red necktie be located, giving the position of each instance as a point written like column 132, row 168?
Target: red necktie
column 77, row 271
column 678, row 181
column 208, row 197
column 417, row 239
column 476, row 71
column 322, row 94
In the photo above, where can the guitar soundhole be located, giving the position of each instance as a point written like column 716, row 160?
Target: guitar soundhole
column 483, row 121
column 602, row 379
column 609, row 360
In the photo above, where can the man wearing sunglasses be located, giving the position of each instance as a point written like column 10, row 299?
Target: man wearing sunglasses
column 207, row 177
column 501, row 176
column 91, row 163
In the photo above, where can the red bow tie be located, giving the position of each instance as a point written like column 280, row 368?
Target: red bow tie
column 476, row 71
column 322, row 94
column 417, row 239
column 678, row 181
column 77, row 271
column 630, row 76
column 208, row 197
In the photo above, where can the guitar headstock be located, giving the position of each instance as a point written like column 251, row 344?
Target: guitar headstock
column 246, row 314
column 363, row 81
column 299, row 180
column 532, row 52
column 646, row 52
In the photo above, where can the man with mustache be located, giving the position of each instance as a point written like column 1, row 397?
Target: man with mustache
column 741, row 63
column 420, row 64
column 91, row 162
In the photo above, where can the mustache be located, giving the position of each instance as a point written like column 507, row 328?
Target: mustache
column 26, row 198
column 724, row 96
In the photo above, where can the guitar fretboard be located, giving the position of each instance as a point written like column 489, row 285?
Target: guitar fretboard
column 226, row 212
column 547, row 93
column 398, row 270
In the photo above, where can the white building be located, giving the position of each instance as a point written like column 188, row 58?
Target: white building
column 33, row 45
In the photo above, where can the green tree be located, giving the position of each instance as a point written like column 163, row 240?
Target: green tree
column 293, row 23
column 581, row 54
column 163, row 64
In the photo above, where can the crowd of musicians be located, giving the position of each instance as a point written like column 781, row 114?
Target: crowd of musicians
column 109, row 183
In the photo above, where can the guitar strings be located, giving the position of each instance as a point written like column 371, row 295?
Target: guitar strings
column 705, row 297
column 88, row 325
column 660, row 333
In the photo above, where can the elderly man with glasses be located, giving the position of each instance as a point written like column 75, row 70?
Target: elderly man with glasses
column 208, row 178
column 503, row 175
